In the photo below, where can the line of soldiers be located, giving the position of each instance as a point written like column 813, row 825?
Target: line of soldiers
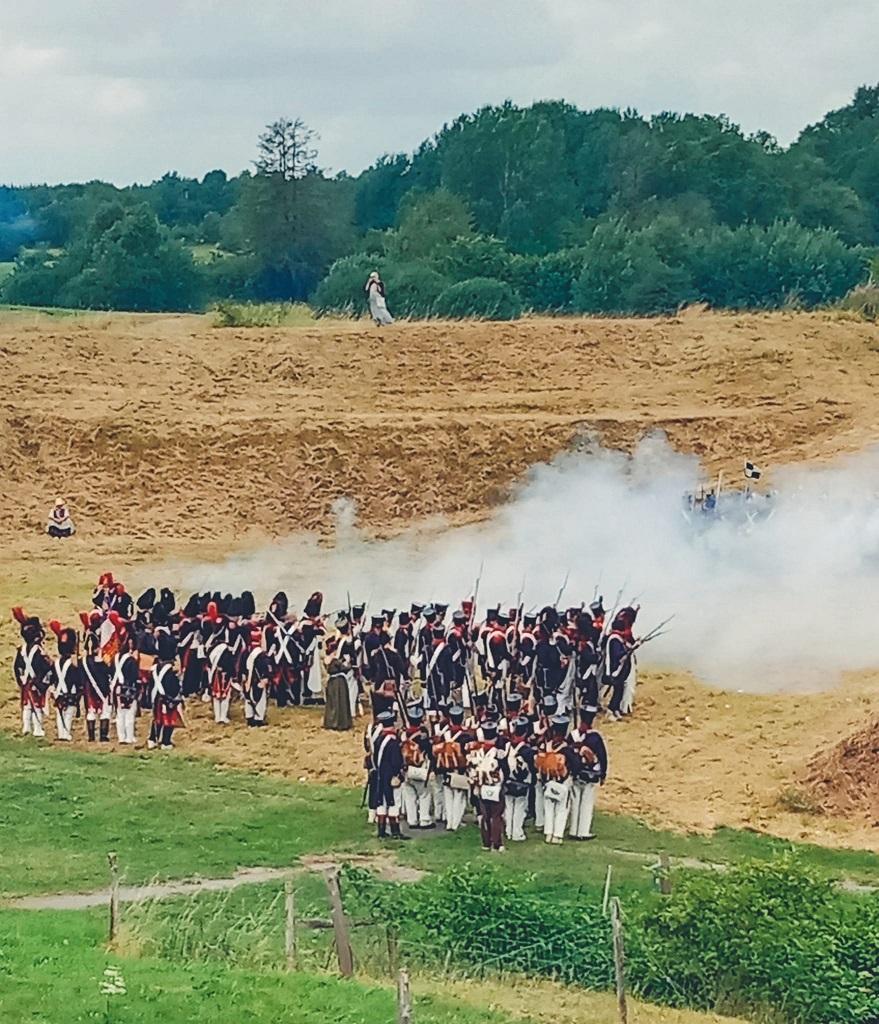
column 150, row 655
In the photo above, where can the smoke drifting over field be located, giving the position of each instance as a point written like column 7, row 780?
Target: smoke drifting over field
column 783, row 604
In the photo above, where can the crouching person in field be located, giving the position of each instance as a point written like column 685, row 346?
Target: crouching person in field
column 59, row 524
column 591, row 772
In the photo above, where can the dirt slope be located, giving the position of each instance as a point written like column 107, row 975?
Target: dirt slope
column 175, row 440
column 213, row 432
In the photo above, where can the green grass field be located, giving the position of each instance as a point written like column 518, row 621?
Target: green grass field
column 169, row 817
column 52, row 965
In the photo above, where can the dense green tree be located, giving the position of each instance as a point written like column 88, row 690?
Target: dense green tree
column 429, row 221
column 125, row 260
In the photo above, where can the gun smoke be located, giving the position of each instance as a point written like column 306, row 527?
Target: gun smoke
column 774, row 605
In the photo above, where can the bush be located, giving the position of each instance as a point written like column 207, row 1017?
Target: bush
column 764, row 268
column 506, row 927
column 760, row 938
column 624, row 274
column 863, row 300
column 261, row 314
column 341, row 291
column 546, row 283
column 481, row 298
column 413, row 290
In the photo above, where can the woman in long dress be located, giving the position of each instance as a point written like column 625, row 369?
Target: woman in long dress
column 375, row 294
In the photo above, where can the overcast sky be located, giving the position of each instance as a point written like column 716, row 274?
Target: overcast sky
column 126, row 89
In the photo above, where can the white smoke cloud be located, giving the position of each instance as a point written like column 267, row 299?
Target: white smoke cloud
column 774, row 605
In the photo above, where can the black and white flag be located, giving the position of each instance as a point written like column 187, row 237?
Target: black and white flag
column 752, row 472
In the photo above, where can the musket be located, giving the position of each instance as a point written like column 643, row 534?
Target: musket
column 562, row 589
column 657, row 631
column 472, row 659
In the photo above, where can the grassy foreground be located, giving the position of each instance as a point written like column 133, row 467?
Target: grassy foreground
column 62, row 811
column 67, row 950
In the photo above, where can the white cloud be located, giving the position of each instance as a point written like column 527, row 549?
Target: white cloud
column 198, row 79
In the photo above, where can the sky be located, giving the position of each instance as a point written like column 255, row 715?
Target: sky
column 124, row 90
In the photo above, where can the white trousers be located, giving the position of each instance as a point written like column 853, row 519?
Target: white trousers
column 628, row 701
column 515, row 811
column 538, row 804
column 455, row 803
column 64, row 723
column 125, row 719
column 437, row 796
column 221, row 710
column 32, row 721
column 555, row 814
column 255, row 711
column 583, row 797
column 92, row 715
column 416, row 803
column 391, row 810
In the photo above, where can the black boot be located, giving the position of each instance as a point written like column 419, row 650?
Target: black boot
column 90, row 729
column 382, row 827
column 105, row 730
column 395, row 830
column 167, row 733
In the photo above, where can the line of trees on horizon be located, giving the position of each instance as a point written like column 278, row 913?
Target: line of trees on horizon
column 545, row 207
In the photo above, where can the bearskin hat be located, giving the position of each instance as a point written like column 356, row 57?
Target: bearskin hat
column 193, row 606
column 147, row 599
column 66, row 641
column 280, row 605
column 166, row 646
column 168, row 600
column 32, row 631
column 549, row 618
column 313, row 605
column 248, row 605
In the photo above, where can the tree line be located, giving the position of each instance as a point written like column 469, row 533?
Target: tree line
column 545, row 207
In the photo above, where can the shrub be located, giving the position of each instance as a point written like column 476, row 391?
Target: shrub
column 481, row 298
column 546, row 282
column 413, row 290
column 507, row 926
column 762, row 937
column 863, row 300
column 261, row 314
column 341, row 291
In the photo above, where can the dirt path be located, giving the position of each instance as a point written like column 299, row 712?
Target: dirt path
column 383, row 865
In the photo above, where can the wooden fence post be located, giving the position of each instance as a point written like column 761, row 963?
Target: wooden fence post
column 404, row 998
column 607, row 878
column 619, row 959
column 664, row 875
column 340, row 925
column 114, row 895
column 393, row 951
column 290, row 951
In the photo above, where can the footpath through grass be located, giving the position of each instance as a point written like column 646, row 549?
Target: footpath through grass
column 171, row 817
